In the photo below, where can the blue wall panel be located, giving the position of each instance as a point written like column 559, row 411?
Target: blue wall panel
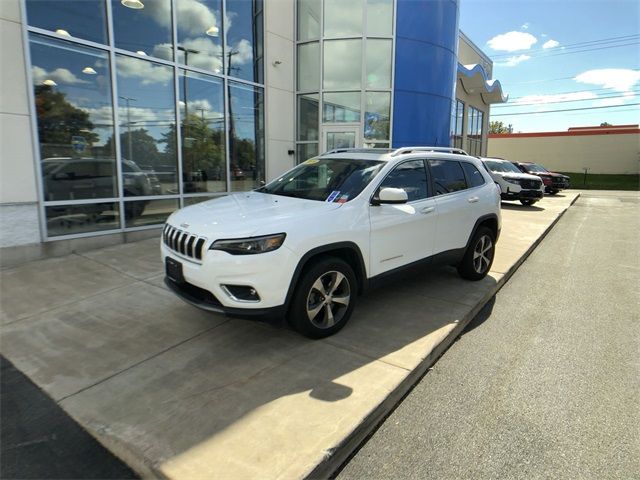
column 425, row 71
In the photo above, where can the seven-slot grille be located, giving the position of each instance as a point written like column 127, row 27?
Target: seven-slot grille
column 530, row 184
column 182, row 242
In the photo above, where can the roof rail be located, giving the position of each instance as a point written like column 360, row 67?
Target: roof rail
column 403, row 150
column 357, row 150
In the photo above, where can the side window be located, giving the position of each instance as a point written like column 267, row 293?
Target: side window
column 411, row 177
column 448, row 176
column 474, row 177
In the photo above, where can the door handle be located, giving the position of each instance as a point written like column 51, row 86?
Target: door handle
column 426, row 210
column 473, row 199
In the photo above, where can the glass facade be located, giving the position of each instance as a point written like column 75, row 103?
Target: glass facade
column 457, row 124
column 344, row 74
column 136, row 115
column 475, row 119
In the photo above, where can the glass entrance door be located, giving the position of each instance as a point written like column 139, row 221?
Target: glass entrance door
column 340, row 137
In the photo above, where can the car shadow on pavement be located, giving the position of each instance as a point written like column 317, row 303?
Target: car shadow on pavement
column 529, row 208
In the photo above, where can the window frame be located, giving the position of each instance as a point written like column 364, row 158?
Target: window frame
column 467, row 178
column 429, row 160
column 430, row 191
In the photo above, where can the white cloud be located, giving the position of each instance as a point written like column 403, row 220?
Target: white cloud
column 553, row 98
column 544, row 35
column 609, row 102
column 193, row 16
column 512, row 41
column 550, row 44
column 525, row 26
column 147, row 72
column 59, row 75
column 513, row 61
column 619, row 79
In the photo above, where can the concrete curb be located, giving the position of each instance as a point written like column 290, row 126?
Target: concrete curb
column 338, row 456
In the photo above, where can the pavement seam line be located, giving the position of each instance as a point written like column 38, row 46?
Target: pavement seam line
column 109, row 377
column 106, row 265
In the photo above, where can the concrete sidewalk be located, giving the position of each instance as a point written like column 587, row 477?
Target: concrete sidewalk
column 179, row 393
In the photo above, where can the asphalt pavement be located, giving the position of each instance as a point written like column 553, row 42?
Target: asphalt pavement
column 545, row 382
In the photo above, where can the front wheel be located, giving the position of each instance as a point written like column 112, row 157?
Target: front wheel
column 478, row 258
column 527, row 202
column 552, row 191
column 324, row 299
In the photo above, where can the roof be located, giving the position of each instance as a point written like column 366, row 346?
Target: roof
column 474, row 79
column 576, row 132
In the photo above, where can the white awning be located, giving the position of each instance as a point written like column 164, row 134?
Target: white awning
column 474, row 80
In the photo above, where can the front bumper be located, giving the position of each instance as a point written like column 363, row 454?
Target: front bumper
column 202, row 284
column 522, row 195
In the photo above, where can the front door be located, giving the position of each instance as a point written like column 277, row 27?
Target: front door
column 340, row 136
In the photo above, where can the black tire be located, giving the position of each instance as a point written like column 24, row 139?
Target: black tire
column 308, row 298
column 475, row 265
column 527, row 202
column 553, row 192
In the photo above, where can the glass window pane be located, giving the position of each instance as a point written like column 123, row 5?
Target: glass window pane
column 146, row 110
column 376, row 115
column 342, row 65
column 146, row 30
column 84, row 19
column 200, row 34
column 305, row 151
column 474, row 177
column 380, row 18
column 378, row 63
column 72, row 89
column 148, row 212
column 308, row 117
column 246, row 136
column 342, row 18
column 447, row 176
column 409, row 176
column 340, row 140
column 341, row 107
column 244, row 40
column 71, row 219
column 309, row 67
column 193, row 200
column 308, row 19
column 372, row 144
column 203, row 143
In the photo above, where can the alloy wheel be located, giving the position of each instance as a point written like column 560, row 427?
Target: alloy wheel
column 328, row 299
column 482, row 254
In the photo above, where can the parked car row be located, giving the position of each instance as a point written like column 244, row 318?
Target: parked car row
column 524, row 181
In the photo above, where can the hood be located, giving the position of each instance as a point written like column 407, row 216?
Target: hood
column 245, row 214
column 519, row 176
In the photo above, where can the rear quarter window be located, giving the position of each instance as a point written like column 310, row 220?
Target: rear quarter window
column 474, row 177
column 448, row 176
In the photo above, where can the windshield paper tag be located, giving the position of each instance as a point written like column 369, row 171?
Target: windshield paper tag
column 333, row 196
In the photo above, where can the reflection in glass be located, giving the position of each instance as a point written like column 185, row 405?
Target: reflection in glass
column 145, row 30
column 84, row 19
column 379, row 18
column 75, row 120
column 246, row 136
column 378, row 63
column 308, row 117
column 148, row 212
column 309, row 67
column 342, row 18
column 341, row 107
column 341, row 140
column 244, row 55
column 200, row 34
column 146, row 110
column 305, row 151
column 193, row 200
column 374, row 144
column 202, row 129
column 342, row 65
column 376, row 115
column 308, row 19
column 72, row 219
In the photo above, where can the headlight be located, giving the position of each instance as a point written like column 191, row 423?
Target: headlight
column 250, row 246
column 512, row 181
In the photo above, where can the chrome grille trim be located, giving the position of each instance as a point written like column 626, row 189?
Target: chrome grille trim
column 184, row 243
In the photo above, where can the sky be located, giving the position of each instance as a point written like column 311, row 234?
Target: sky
column 581, row 53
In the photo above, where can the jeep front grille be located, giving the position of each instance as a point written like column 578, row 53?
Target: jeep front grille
column 182, row 242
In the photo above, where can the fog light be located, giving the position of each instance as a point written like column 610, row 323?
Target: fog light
column 241, row 293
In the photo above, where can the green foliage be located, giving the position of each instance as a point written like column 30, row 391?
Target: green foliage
column 499, row 127
column 598, row 181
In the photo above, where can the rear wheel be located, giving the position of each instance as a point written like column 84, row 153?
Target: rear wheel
column 528, row 202
column 478, row 258
column 324, row 298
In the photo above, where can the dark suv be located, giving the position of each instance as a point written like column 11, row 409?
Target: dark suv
column 553, row 182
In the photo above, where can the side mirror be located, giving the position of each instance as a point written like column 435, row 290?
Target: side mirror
column 393, row 196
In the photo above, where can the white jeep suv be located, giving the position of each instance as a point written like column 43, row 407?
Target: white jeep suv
column 514, row 185
column 306, row 244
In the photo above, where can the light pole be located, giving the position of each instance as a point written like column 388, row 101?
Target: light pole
column 129, row 99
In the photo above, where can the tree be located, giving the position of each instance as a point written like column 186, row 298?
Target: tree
column 142, row 148
column 606, row 124
column 498, row 127
column 59, row 121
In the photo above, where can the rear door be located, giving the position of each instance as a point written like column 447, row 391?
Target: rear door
column 402, row 234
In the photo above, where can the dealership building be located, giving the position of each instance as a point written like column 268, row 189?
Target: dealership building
column 114, row 113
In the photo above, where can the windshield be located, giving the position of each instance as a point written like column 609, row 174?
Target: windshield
column 534, row 167
column 501, row 167
column 325, row 179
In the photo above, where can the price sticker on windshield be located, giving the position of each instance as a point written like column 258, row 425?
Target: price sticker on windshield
column 333, row 196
